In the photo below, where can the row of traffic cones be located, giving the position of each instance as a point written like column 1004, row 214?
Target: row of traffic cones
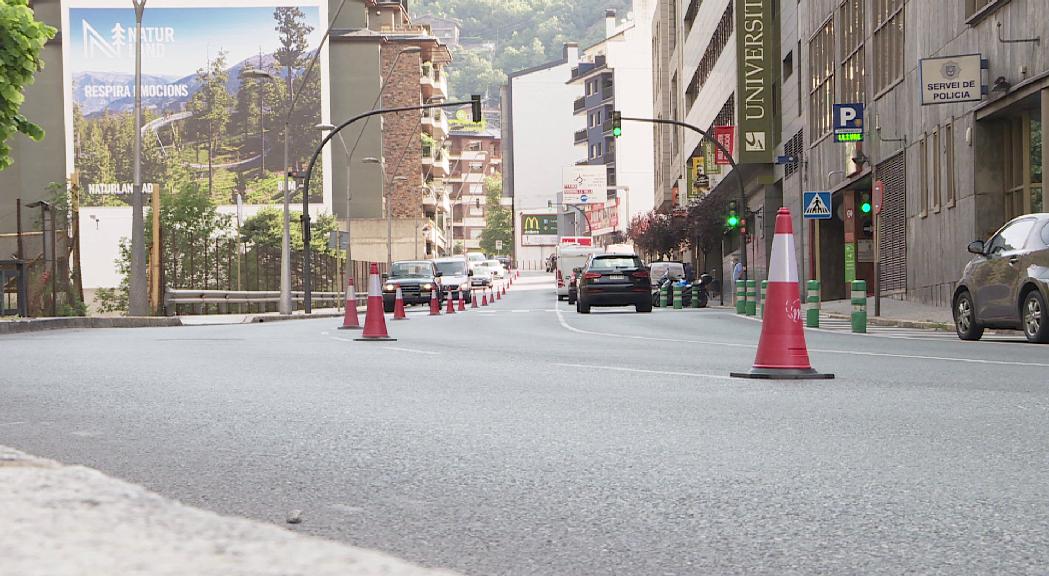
column 375, row 322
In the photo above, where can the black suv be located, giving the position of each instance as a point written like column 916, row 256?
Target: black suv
column 612, row 280
column 1007, row 284
column 416, row 279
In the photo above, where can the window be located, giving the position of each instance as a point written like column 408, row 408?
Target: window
column 690, row 14
column 973, row 7
column 788, row 65
column 821, row 93
column 1012, row 237
column 714, row 49
column 934, row 151
column 852, row 57
column 475, row 233
column 888, row 44
column 948, row 152
column 923, row 176
column 673, row 25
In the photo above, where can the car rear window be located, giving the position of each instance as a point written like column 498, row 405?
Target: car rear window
column 617, row 263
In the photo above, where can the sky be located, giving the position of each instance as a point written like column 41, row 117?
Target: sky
column 189, row 37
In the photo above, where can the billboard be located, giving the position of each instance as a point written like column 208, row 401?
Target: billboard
column 757, row 57
column 584, row 184
column 538, row 229
column 203, row 123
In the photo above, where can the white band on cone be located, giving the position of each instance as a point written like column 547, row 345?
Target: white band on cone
column 781, row 263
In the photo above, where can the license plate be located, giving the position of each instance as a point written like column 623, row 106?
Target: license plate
column 615, row 277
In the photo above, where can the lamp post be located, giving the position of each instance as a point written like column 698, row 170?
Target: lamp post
column 349, row 239
column 138, row 299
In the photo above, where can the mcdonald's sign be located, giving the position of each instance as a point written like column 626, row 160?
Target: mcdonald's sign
column 538, row 229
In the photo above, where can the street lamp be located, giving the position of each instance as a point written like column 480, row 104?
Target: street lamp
column 138, row 299
column 349, row 241
column 388, row 200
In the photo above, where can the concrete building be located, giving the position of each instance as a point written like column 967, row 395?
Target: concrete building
column 538, row 140
column 476, row 154
column 616, row 74
column 447, row 30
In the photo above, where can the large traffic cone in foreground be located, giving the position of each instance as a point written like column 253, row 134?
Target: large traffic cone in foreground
column 462, row 302
column 350, row 320
column 451, row 303
column 435, row 303
column 398, row 306
column 782, row 353
column 374, row 321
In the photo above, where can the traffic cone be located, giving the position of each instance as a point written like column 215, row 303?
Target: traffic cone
column 484, row 297
column 497, row 296
column 462, row 302
column 504, row 289
column 451, row 304
column 398, row 306
column 350, row 320
column 782, row 353
column 374, row 321
column 473, row 299
column 435, row 303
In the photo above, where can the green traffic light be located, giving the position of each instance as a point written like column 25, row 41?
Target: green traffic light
column 617, row 131
column 733, row 221
column 865, row 207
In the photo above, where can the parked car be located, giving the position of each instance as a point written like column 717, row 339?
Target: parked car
column 416, row 279
column 613, row 280
column 455, row 274
column 505, row 261
column 476, row 257
column 1007, row 284
column 496, row 269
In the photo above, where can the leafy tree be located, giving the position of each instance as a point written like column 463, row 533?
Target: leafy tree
column 658, row 234
column 21, row 39
column 210, row 106
column 265, row 228
column 499, row 219
column 472, row 72
column 706, row 223
column 293, row 33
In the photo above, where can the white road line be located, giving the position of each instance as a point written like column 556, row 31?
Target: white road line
column 520, row 311
column 412, row 350
column 564, row 324
column 640, row 371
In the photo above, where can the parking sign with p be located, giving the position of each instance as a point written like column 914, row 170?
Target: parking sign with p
column 848, row 122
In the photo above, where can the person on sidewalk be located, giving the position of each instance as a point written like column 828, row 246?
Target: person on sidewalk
column 737, row 273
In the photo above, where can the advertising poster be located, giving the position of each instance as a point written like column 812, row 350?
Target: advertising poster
column 538, row 229
column 204, row 124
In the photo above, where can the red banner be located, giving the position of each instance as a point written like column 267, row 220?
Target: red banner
column 604, row 218
column 726, row 136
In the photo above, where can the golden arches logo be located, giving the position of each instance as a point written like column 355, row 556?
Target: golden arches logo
column 531, row 224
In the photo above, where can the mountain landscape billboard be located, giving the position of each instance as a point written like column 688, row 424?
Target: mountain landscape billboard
column 204, row 124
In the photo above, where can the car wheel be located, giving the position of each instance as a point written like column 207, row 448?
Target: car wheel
column 580, row 307
column 643, row 308
column 965, row 318
column 1034, row 318
column 571, row 299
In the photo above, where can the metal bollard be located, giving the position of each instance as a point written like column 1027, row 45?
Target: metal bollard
column 662, row 298
column 752, row 297
column 859, row 307
column 812, row 311
column 741, row 297
column 677, row 296
column 696, row 290
column 761, row 298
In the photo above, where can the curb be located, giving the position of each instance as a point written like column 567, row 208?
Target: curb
column 39, row 324
column 279, row 318
column 888, row 322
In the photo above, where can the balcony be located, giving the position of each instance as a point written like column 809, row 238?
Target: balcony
column 580, row 136
column 436, row 160
column 435, row 122
column 579, row 105
column 606, row 127
column 587, row 68
column 433, row 81
column 608, row 92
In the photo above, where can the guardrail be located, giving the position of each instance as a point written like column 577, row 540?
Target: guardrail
column 200, row 299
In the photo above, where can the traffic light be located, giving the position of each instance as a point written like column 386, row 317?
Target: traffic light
column 733, row 219
column 617, row 124
column 865, row 203
column 475, row 105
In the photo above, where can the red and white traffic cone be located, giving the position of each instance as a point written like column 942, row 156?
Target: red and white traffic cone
column 462, row 302
column 350, row 320
column 782, row 353
column 497, row 296
column 435, row 303
column 504, row 289
column 484, row 297
column 398, row 306
column 374, row 320
column 450, row 309
column 473, row 299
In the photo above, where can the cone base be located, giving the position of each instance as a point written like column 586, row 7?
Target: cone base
column 351, row 328
column 373, row 338
column 405, row 318
column 782, row 374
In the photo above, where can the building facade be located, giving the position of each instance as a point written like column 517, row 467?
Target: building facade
column 476, row 155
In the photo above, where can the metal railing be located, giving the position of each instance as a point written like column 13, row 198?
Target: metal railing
column 200, row 300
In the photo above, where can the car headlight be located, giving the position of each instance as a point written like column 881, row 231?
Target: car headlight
column 426, row 287
column 389, row 288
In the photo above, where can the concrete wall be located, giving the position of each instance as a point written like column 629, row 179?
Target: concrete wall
column 355, row 80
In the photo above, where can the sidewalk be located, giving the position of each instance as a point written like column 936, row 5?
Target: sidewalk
column 19, row 325
column 898, row 313
column 69, row 520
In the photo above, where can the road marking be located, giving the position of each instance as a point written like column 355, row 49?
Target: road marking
column 641, row 371
column 561, row 319
column 519, row 311
column 12, row 423
column 412, row 350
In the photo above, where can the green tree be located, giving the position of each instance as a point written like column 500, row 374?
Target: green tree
column 265, row 229
column 21, row 39
column 498, row 221
column 210, row 106
column 473, row 73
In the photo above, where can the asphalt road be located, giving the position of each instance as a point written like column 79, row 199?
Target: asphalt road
column 526, row 439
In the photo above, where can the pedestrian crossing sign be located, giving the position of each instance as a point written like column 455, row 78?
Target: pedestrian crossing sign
column 817, row 205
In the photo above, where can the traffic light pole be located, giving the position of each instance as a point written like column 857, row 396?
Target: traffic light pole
column 735, row 170
column 307, row 284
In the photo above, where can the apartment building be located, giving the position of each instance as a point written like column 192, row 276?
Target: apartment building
column 475, row 150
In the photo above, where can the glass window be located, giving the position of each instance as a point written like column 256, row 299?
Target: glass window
column 948, row 150
column 888, row 43
column 411, row 270
column 1045, row 234
column 1012, row 237
column 852, row 53
column 923, row 177
column 452, row 268
column 616, row 263
column 821, row 71
column 934, row 151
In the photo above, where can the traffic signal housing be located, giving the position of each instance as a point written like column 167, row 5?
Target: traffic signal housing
column 475, row 106
column 732, row 218
column 865, row 203
column 617, row 124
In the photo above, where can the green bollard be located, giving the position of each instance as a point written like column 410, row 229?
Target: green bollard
column 761, row 297
column 678, row 300
column 662, row 298
column 859, row 307
column 741, row 297
column 695, row 295
column 812, row 312
column 752, row 298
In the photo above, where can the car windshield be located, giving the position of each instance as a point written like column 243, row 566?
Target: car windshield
column 617, row 263
column 411, row 270
column 456, row 268
column 492, row 263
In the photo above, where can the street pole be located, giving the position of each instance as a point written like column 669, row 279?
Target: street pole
column 137, row 296
column 285, row 306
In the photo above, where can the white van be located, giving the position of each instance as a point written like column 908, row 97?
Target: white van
column 569, row 257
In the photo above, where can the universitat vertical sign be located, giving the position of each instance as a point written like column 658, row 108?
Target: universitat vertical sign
column 757, row 34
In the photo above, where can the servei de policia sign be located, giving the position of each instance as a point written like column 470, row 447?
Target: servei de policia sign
column 951, row 79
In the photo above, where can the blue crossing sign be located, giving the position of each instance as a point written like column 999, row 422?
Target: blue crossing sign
column 848, row 122
column 817, row 205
